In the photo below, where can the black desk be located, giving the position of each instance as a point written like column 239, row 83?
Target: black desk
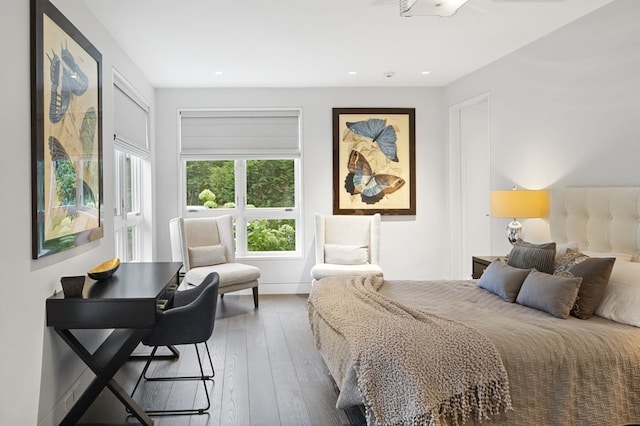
column 126, row 302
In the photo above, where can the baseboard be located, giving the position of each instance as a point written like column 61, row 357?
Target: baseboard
column 278, row 288
column 55, row 416
column 288, row 288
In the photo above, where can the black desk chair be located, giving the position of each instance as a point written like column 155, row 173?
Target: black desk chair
column 189, row 320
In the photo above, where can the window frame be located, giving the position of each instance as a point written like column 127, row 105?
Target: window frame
column 132, row 139
column 241, row 215
column 134, row 218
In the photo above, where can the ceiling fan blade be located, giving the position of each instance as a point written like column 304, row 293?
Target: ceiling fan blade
column 529, row 1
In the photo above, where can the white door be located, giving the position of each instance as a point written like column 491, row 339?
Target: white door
column 471, row 184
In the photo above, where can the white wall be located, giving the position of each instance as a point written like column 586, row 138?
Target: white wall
column 36, row 368
column 565, row 110
column 412, row 247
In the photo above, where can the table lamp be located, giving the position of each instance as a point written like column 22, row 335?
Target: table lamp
column 518, row 204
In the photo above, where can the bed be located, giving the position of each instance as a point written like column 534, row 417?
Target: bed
column 550, row 370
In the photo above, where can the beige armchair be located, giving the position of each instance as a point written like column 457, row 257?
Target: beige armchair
column 347, row 245
column 206, row 245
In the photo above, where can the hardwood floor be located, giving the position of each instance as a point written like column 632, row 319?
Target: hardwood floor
column 268, row 372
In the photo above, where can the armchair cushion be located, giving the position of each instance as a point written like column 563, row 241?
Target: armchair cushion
column 346, row 254
column 207, row 255
column 230, row 274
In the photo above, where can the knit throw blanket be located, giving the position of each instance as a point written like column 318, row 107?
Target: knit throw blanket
column 412, row 367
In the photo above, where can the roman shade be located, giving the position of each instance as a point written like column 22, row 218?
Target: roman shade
column 131, row 120
column 240, row 132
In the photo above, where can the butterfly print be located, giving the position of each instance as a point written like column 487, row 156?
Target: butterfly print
column 379, row 132
column 362, row 180
column 72, row 81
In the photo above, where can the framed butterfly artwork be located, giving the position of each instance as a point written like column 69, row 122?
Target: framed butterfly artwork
column 374, row 161
column 66, row 133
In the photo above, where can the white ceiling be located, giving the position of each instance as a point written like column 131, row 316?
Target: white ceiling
column 304, row 43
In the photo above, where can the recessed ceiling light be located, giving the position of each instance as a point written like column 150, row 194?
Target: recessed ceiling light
column 353, row 72
column 218, row 73
column 425, row 72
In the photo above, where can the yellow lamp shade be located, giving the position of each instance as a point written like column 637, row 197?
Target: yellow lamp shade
column 519, row 204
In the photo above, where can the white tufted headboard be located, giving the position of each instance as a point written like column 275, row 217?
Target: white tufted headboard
column 598, row 219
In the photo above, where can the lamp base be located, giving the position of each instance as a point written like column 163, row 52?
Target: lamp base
column 513, row 231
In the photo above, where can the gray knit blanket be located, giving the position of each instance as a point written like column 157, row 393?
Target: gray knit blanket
column 412, row 367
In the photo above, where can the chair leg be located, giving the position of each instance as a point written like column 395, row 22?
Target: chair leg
column 202, row 377
column 255, row 297
column 213, row 372
column 175, row 354
column 144, row 370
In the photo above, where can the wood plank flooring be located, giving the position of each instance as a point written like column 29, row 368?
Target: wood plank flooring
column 267, row 372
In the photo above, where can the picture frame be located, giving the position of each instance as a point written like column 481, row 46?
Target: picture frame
column 66, row 134
column 374, row 161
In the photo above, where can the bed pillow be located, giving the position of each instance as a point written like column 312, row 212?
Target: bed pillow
column 622, row 295
column 528, row 256
column 339, row 254
column 554, row 294
column 562, row 249
column 503, row 280
column 620, row 257
column 595, row 274
column 568, row 260
column 206, row 255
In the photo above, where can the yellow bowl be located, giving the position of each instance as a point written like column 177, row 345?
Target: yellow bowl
column 104, row 270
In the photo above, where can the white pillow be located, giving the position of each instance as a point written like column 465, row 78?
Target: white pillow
column 206, row 255
column 339, row 254
column 621, row 302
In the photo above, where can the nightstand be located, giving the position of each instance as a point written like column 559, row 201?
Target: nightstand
column 480, row 263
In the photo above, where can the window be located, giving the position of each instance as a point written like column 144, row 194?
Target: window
column 131, row 171
column 128, row 210
column 247, row 164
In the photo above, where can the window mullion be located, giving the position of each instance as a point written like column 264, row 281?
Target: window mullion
column 118, row 184
column 241, row 207
column 135, row 186
column 241, row 185
column 120, row 224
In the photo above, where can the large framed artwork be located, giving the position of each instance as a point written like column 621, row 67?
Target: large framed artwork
column 374, row 161
column 66, row 134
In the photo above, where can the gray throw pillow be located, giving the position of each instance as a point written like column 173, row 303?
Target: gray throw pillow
column 554, row 294
column 528, row 256
column 595, row 273
column 503, row 280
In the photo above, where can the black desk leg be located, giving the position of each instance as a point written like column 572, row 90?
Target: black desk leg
column 105, row 362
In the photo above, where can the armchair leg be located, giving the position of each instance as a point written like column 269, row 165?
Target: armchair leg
column 255, row 297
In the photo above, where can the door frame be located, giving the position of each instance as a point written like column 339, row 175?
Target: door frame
column 457, row 191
